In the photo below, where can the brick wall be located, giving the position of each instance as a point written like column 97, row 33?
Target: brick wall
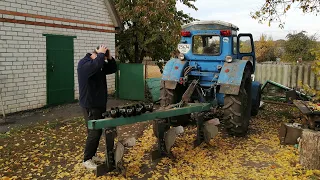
column 23, row 46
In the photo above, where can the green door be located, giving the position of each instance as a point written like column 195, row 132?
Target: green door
column 60, row 69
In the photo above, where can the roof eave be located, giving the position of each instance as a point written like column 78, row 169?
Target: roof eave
column 114, row 14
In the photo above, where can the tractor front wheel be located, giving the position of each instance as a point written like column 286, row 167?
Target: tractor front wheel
column 237, row 108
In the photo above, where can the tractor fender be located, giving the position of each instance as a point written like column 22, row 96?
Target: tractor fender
column 255, row 97
column 172, row 72
column 231, row 76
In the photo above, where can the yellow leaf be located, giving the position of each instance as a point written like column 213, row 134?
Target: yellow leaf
column 309, row 173
column 1, row 147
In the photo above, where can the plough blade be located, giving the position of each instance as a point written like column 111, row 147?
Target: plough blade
column 169, row 138
column 118, row 157
column 209, row 131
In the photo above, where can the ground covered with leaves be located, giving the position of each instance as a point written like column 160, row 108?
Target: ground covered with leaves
column 54, row 151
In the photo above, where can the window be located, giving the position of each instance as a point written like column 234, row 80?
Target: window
column 234, row 46
column 206, row 45
column 245, row 44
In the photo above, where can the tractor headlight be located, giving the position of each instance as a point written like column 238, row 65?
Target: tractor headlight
column 228, row 59
column 181, row 56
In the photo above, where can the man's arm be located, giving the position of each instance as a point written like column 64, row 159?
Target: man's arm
column 95, row 65
column 110, row 67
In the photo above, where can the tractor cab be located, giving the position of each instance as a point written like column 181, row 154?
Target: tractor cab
column 207, row 41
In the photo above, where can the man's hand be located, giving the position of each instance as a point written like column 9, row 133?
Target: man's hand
column 102, row 49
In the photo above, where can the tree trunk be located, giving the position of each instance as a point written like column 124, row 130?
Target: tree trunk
column 136, row 50
column 310, row 149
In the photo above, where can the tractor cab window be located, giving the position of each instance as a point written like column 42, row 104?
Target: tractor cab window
column 245, row 44
column 206, row 45
column 234, row 46
column 245, row 48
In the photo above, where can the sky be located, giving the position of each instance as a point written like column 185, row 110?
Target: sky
column 237, row 12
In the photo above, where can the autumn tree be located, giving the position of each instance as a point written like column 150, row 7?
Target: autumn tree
column 299, row 45
column 274, row 10
column 265, row 49
column 151, row 28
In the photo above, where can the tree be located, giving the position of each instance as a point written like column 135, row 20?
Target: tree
column 152, row 28
column 316, row 51
column 274, row 10
column 279, row 44
column 299, row 45
column 316, row 64
column 265, row 49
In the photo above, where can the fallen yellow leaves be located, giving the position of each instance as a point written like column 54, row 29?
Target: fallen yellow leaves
column 57, row 153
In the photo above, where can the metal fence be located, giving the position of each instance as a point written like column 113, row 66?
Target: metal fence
column 287, row 74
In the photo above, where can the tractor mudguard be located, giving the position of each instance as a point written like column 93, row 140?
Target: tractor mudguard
column 255, row 97
column 255, row 92
column 173, row 71
column 231, row 76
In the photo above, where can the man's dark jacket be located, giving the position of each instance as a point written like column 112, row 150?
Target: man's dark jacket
column 92, row 80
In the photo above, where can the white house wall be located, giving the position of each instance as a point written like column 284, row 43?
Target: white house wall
column 23, row 46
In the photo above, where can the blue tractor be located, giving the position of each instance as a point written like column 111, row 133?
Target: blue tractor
column 220, row 65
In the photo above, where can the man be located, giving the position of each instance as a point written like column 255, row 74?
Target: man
column 92, row 71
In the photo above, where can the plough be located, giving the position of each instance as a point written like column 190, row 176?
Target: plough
column 163, row 121
column 291, row 94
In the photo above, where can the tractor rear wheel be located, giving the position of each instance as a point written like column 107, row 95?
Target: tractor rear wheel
column 168, row 97
column 237, row 108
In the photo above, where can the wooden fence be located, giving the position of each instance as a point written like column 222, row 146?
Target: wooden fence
column 287, row 74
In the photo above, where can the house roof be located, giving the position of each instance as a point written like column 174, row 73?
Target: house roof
column 114, row 14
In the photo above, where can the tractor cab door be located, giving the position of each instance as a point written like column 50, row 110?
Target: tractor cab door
column 245, row 47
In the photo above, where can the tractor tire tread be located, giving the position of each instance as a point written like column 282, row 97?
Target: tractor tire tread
column 236, row 111
column 235, row 100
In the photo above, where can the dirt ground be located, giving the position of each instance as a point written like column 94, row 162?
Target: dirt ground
column 54, row 149
column 57, row 113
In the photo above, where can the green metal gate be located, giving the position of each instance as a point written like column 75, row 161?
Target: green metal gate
column 60, row 69
column 131, row 85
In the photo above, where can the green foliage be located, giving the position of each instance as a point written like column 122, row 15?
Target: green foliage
column 316, row 64
column 152, row 28
column 316, row 68
column 299, row 45
column 316, row 51
column 274, row 10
